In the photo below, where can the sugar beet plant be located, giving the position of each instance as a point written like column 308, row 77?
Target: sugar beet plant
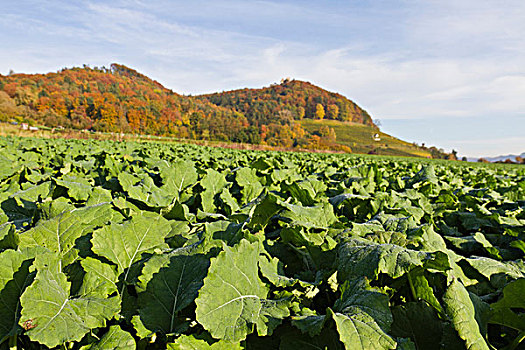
column 152, row 246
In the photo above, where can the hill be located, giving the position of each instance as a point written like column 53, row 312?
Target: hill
column 293, row 100
column 511, row 157
column 292, row 114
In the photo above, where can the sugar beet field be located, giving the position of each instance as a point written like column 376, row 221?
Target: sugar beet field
column 108, row 245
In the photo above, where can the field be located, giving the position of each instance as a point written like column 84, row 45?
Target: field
column 125, row 245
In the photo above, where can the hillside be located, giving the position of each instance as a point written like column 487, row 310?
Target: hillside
column 292, row 114
column 360, row 138
column 292, row 99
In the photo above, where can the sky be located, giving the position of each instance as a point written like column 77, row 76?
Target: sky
column 447, row 73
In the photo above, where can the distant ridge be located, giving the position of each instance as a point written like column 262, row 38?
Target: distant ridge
column 511, row 157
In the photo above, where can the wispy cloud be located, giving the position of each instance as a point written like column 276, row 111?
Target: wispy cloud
column 417, row 61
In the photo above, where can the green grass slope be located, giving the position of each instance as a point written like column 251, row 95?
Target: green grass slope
column 360, row 138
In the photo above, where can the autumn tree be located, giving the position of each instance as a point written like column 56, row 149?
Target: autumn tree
column 333, row 111
column 319, row 111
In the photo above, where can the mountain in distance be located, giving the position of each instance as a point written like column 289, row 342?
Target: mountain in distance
column 511, row 157
column 292, row 115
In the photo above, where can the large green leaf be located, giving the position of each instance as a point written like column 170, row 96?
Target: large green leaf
column 78, row 188
column 461, row 311
column 319, row 216
column 14, row 278
column 358, row 297
column 177, row 176
column 170, row 290
column 422, row 290
column 125, row 243
column 213, row 183
column 505, row 311
column 497, row 272
column 360, row 259
column 33, row 193
column 51, row 317
column 249, row 182
column 60, row 233
column 230, row 301
column 142, row 188
column 305, row 191
column 360, row 332
column 266, row 206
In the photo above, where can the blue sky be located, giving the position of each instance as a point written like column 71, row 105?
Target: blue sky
column 447, row 73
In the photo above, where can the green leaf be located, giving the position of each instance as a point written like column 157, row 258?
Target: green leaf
column 177, row 176
column 142, row 188
column 114, row 339
column 477, row 241
column 51, row 209
column 213, row 183
column 312, row 324
column 171, row 289
column 497, row 272
column 319, row 216
column 360, row 332
column 359, row 259
column 8, row 236
column 229, row 201
column 461, row 312
column 78, row 188
column 124, row 244
column 142, row 331
column 249, row 182
column 358, row 297
column 230, row 301
column 14, row 278
column 422, row 289
column 189, row 342
column 419, row 322
column 271, row 315
column 267, row 205
column 427, row 174
column 504, row 310
column 52, row 318
column 272, row 269
column 305, row 191
column 218, row 232
column 299, row 237
column 99, row 280
column 33, row 193
column 99, row 195
column 60, row 233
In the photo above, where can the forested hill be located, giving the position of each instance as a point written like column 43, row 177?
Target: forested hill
column 292, row 99
column 120, row 99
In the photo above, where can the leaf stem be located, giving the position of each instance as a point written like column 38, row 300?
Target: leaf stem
column 12, row 342
column 412, row 289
